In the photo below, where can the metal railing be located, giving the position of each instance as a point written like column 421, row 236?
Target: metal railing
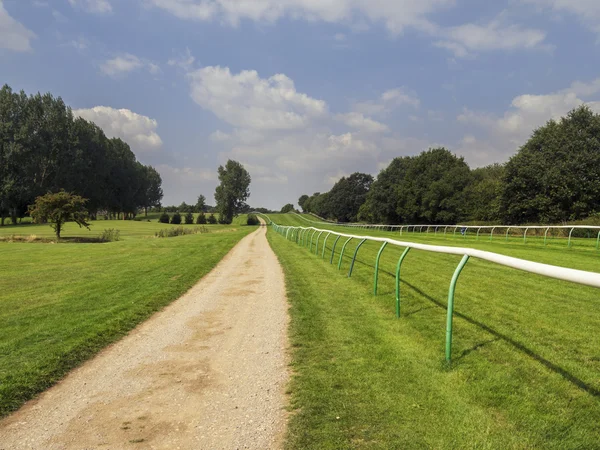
column 305, row 236
column 452, row 229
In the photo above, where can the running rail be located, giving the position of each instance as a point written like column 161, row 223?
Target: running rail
column 454, row 228
column 305, row 236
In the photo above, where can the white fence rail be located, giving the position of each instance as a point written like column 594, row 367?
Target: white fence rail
column 305, row 236
column 444, row 229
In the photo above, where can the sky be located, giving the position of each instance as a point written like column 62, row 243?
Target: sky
column 303, row 92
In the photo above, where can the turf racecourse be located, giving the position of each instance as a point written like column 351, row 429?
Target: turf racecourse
column 62, row 303
column 526, row 352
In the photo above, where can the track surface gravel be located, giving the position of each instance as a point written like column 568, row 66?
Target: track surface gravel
column 207, row 372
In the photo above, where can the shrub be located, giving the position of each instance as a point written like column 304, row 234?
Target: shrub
column 164, row 218
column 180, row 231
column 189, row 218
column 252, row 220
column 110, row 235
column 201, row 219
column 212, row 219
column 176, row 219
column 224, row 220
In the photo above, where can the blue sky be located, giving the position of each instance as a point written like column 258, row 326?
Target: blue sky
column 303, row 92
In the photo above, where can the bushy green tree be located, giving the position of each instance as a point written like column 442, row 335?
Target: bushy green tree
column 287, row 208
column 347, row 196
column 189, row 218
column 483, row 194
column 59, row 208
column 302, row 202
column 233, row 191
column 212, row 219
column 201, row 219
column 555, row 176
column 252, row 220
column 201, row 204
column 164, row 217
column 176, row 219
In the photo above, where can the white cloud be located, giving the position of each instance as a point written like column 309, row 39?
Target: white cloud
column 93, row 6
column 245, row 100
column 471, row 38
column 126, row 63
column 360, row 122
column 388, row 101
column 137, row 130
column 588, row 11
column 13, row 35
column 396, row 15
column 527, row 112
column 219, row 136
column 184, row 61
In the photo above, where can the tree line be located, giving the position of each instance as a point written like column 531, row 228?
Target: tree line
column 554, row 177
column 45, row 148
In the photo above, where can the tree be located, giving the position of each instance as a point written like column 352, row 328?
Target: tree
column 59, row 208
column 347, row 196
column 201, row 219
column 164, row 218
column 287, row 208
column 432, row 188
column 189, row 218
column 381, row 201
column 302, row 202
column 212, row 219
column 176, row 219
column 555, row 176
column 482, row 196
column 201, row 204
column 233, row 191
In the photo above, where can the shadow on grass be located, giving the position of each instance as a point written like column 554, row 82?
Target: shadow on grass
column 64, row 240
column 568, row 376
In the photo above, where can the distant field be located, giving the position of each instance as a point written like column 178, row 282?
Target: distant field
column 61, row 303
column 526, row 352
column 130, row 229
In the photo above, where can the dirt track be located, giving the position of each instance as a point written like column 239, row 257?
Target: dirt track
column 208, row 372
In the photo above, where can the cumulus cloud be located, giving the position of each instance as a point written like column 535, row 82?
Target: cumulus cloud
column 247, row 101
column 527, row 112
column 137, row 130
column 13, row 35
column 126, row 63
column 388, row 101
column 588, row 11
column 93, row 6
column 360, row 122
column 471, row 38
column 395, row 15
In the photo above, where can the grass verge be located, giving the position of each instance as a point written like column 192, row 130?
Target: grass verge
column 61, row 304
column 524, row 372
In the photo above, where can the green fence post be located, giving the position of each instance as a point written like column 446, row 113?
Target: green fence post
column 317, row 246
column 598, row 241
column 325, row 245
column 546, row 235
column 570, row 233
column 406, row 250
column 507, row 230
column 354, row 258
column 525, row 235
column 377, row 268
column 342, row 253
column 492, row 234
column 333, row 249
column 311, row 240
column 450, row 315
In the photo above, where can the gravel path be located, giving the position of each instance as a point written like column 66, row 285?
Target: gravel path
column 208, row 372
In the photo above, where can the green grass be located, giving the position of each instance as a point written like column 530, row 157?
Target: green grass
column 60, row 304
column 130, row 229
column 526, row 354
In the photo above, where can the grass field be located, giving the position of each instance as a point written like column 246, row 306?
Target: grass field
column 526, row 352
column 62, row 303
